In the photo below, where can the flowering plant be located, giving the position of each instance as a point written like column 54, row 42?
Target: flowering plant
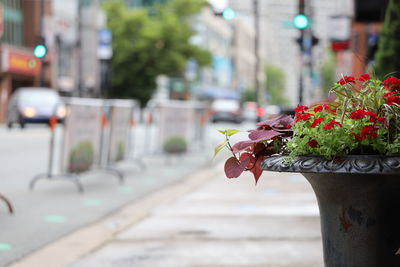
column 363, row 119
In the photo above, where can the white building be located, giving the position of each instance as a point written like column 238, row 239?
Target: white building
column 216, row 35
column 65, row 28
column 278, row 38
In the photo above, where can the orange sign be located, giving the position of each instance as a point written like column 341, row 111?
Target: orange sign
column 21, row 63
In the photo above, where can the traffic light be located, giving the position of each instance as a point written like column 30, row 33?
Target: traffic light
column 40, row 51
column 228, row 14
column 300, row 21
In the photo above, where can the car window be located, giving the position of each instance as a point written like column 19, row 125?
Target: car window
column 38, row 98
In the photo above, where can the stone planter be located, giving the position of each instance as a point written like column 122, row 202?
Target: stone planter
column 359, row 204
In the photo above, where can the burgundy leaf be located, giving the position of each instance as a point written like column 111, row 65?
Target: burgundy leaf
column 261, row 135
column 233, row 168
column 240, row 146
column 279, row 122
column 256, row 170
column 271, row 121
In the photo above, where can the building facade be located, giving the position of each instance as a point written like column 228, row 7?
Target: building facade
column 22, row 31
column 278, row 40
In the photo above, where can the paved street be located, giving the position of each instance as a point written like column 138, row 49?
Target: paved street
column 55, row 208
column 214, row 222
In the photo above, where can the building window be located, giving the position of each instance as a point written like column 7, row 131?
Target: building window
column 12, row 14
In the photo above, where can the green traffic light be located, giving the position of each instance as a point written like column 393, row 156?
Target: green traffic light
column 300, row 21
column 40, row 51
column 229, row 14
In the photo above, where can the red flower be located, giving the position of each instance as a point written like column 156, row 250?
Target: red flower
column 312, row 143
column 388, row 94
column 288, row 126
column 392, row 83
column 369, row 131
column 347, row 79
column 358, row 137
column 303, row 116
column 364, row 77
column 332, row 124
column 321, row 108
column 316, row 122
column 358, row 114
column 300, row 109
column 393, row 100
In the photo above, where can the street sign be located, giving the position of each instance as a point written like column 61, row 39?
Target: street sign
column 104, row 48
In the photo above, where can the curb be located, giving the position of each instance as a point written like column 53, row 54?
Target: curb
column 77, row 244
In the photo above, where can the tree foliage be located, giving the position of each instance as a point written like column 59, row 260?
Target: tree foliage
column 328, row 72
column 146, row 46
column 275, row 85
column 387, row 56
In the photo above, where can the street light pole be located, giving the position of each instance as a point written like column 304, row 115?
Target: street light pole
column 79, row 50
column 257, row 55
column 42, row 41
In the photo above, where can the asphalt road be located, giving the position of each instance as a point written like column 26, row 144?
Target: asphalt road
column 55, row 208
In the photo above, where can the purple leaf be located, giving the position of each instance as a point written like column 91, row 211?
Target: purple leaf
column 240, row 146
column 233, row 168
column 278, row 122
column 263, row 134
column 256, row 170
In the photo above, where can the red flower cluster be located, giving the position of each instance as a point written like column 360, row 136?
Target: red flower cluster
column 300, row 109
column 367, row 131
column 360, row 113
column 347, row 79
column 312, row 143
column 316, row 122
column 301, row 115
column 323, row 107
column 364, row 77
column 332, row 124
column 393, row 100
column 392, row 83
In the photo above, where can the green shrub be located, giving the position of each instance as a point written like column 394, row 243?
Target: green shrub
column 175, row 145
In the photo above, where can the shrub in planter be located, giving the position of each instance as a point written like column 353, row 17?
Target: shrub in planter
column 175, row 145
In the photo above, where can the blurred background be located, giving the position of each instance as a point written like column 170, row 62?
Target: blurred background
column 163, row 76
column 251, row 51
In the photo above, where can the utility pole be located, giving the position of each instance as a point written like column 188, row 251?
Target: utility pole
column 257, row 55
column 79, row 53
column 43, row 42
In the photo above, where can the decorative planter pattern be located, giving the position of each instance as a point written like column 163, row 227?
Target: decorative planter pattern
column 359, row 204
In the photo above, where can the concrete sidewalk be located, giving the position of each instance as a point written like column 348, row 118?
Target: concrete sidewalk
column 205, row 220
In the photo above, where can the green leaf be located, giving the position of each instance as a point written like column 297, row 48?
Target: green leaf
column 229, row 132
column 219, row 147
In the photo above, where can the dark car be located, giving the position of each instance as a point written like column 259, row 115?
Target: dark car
column 34, row 105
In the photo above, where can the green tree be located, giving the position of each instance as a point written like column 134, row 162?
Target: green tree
column 328, row 72
column 275, row 85
column 145, row 46
column 388, row 54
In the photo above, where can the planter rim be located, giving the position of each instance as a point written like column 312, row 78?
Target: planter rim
column 350, row 164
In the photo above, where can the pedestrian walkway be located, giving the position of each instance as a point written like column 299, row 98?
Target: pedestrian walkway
column 206, row 220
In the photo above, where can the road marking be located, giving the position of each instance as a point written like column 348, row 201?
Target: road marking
column 125, row 189
column 54, row 218
column 5, row 247
column 92, row 202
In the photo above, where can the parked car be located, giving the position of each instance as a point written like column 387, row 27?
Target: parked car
column 226, row 110
column 250, row 111
column 34, row 105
